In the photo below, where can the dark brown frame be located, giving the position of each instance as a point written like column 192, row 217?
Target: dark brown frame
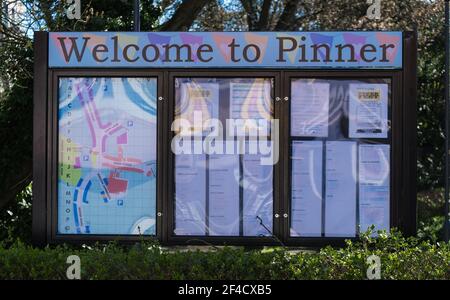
column 403, row 176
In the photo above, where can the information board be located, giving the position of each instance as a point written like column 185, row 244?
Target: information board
column 340, row 156
column 246, row 138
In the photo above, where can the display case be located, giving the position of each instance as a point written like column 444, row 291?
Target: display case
column 246, row 145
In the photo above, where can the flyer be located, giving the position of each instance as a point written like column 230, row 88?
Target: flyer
column 198, row 102
column 309, row 108
column 340, row 194
column 374, row 190
column 368, row 111
column 190, row 194
column 306, row 194
column 251, row 100
column 257, row 184
column 224, row 195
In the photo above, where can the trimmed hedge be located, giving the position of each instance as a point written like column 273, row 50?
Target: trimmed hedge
column 401, row 258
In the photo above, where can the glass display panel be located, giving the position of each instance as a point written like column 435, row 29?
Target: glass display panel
column 340, row 156
column 222, row 128
column 107, row 155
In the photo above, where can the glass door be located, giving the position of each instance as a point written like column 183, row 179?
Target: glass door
column 107, row 156
column 339, row 156
column 223, row 145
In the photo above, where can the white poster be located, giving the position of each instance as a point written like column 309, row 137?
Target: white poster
column 224, row 195
column 306, row 194
column 374, row 186
column 251, row 100
column 368, row 113
column 309, row 108
column 340, row 195
column 257, row 184
column 190, row 194
column 198, row 102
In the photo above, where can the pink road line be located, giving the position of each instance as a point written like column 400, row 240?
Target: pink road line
column 86, row 112
column 104, row 143
column 110, row 157
column 115, row 129
column 119, row 159
column 129, row 169
column 104, row 138
column 95, row 111
column 134, row 160
column 112, row 127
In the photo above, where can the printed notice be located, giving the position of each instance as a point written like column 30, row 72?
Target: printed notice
column 251, row 100
column 306, row 210
column 198, row 102
column 309, row 108
column 368, row 113
column 190, row 195
column 257, row 184
column 224, row 195
column 374, row 186
column 340, row 195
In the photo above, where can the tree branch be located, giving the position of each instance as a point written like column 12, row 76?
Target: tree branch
column 45, row 7
column 250, row 10
column 287, row 18
column 185, row 15
column 263, row 21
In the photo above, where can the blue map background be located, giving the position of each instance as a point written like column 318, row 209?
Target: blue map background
column 107, row 156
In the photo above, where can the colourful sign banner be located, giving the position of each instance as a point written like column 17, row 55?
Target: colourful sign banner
column 226, row 49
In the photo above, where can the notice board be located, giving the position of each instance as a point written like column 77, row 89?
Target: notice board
column 245, row 138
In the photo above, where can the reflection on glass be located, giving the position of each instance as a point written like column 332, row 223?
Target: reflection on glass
column 107, row 156
column 340, row 189
column 222, row 189
column 374, row 185
column 306, row 185
column 340, row 166
column 309, row 109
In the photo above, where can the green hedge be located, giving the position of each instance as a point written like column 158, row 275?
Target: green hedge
column 401, row 258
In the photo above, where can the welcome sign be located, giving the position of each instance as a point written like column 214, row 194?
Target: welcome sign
column 176, row 136
column 380, row 50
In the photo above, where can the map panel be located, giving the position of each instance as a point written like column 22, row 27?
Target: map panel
column 107, row 156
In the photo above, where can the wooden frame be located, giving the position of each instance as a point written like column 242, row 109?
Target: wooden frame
column 403, row 168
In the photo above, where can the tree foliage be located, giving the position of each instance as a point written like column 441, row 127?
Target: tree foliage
column 16, row 56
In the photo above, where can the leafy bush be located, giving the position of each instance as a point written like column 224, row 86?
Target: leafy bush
column 430, row 208
column 401, row 258
column 15, row 219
